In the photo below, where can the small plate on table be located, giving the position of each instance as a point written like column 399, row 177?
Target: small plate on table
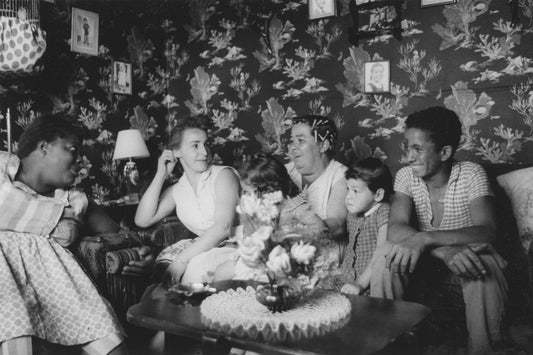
column 184, row 292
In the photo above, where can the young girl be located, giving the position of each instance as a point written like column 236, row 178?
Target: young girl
column 261, row 175
column 369, row 184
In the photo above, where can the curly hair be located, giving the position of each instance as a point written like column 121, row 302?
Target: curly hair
column 176, row 135
column 266, row 174
column 374, row 173
column 442, row 124
column 48, row 128
column 322, row 128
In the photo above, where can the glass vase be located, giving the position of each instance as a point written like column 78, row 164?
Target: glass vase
column 278, row 298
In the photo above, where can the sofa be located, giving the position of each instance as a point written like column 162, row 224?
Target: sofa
column 103, row 256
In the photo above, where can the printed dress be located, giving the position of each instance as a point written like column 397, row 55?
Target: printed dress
column 45, row 293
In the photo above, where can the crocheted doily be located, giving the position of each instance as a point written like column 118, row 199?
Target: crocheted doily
column 238, row 313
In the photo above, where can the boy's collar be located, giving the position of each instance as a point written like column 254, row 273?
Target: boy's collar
column 372, row 209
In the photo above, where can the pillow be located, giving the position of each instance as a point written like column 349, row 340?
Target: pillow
column 518, row 186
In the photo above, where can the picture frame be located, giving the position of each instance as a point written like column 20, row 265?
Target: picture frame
column 84, row 32
column 430, row 3
column 122, row 78
column 377, row 77
column 319, row 9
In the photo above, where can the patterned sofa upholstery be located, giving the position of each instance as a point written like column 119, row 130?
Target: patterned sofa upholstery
column 99, row 253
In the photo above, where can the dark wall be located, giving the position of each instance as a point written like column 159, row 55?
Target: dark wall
column 252, row 65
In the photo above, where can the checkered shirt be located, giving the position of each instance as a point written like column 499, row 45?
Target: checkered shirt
column 363, row 232
column 467, row 182
column 23, row 210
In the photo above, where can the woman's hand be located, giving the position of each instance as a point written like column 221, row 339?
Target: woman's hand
column 144, row 266
column 166, row 163
column 173, row 273
column 353, row 289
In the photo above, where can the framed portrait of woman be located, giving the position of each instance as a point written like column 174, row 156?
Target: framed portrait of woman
column 122, row 83
column 377, row 77
column 321, row 8
column 84, row 32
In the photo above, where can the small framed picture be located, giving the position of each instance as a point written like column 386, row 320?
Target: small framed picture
column 427, row 3
column 321, row 8
column 122, row 78
column 84, row 32
column 377, row 77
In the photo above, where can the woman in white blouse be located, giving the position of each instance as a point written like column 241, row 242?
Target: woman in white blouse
column 204, row 200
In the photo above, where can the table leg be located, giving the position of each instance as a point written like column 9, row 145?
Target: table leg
column 214, row 344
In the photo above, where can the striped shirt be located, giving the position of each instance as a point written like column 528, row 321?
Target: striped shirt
column 467, row 182
column 24, row 210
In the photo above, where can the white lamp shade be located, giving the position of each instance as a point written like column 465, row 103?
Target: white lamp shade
column 130, row 144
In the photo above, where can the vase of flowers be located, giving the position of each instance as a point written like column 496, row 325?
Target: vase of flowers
column 290, row 259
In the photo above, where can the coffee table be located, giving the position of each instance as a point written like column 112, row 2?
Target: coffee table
column 375, row 324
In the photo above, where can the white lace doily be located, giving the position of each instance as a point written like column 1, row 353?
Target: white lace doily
column 237, row 312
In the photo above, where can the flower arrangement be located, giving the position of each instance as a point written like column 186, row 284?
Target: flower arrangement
column 292, row 258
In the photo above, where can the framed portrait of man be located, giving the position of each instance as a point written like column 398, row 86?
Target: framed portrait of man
column 377, row 77
column 122, row 83
column 321, row 8
column 84, row 32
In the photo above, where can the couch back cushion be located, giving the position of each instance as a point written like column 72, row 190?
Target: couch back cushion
column 518, row 186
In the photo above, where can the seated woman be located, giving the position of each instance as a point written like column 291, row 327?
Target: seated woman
column 45, row 293
column 204, row 199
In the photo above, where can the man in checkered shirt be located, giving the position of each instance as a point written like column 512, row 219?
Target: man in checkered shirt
column 455, row 228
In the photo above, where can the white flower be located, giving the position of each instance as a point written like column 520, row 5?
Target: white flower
column 273, row 197
column 249, row 204
column 267, row 212
column 262, row 233
column 250, row 250
column 303, row 252
column 279, row 262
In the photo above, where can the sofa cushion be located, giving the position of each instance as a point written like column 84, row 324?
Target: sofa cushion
column 518, row 186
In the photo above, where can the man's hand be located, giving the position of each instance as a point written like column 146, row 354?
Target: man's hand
column 352, row 289
column 143, row 267
column 173, row 273
column 464, row 261
column 403, row 256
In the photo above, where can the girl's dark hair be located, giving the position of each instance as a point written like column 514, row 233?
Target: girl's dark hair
column 322, row 127
column 375, row 173
column 176, row 135
column 266, row 174
column 442, row 124
column 48, row 128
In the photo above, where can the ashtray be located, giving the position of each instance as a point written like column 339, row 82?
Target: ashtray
column 192, row 289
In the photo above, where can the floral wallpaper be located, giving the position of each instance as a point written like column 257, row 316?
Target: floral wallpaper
column 253, row 65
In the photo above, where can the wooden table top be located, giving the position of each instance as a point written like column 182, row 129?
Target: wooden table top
column 374, row 324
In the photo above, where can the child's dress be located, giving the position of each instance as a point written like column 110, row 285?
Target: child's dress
column 363, row 232
column 45, row 293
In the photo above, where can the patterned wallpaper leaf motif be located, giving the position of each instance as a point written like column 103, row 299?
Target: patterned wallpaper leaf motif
column 275, row 123
column 459, row 31
column 276, row 35
column 470, row 110
column 140, row 49
column 200, row 11
column 352, row 90
column 203, row 87
column 412, row 63
column 523, row 102
column 139, row 120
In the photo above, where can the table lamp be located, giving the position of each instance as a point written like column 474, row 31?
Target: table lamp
column 130, row 144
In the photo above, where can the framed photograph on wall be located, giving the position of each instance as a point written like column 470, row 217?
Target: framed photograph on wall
column 122, row 83
column 377, row 77
column 427, row 3
column 321, row 8
column 84, row 32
